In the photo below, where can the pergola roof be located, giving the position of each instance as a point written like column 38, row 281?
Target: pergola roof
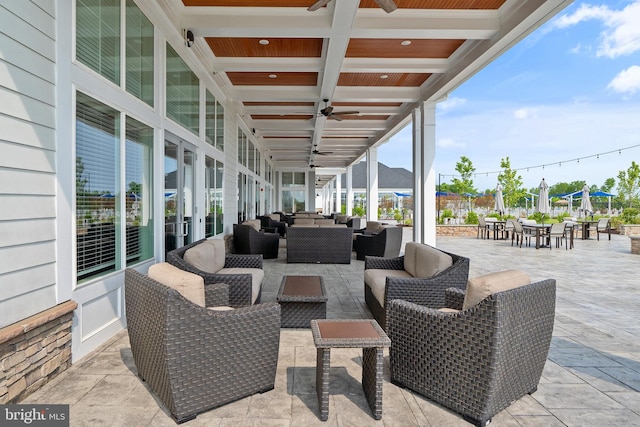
column 277, row 62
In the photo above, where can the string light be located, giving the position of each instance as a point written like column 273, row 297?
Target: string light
column 527, row 168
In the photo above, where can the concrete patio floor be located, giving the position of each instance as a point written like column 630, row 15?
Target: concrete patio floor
column 592, row 376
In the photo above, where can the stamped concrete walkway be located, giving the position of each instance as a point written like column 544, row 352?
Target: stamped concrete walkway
column 592, row 377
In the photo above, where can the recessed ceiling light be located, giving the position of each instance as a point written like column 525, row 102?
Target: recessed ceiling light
column 273, row 76
column 384, row 76
column 264, row 42
column 405, row 42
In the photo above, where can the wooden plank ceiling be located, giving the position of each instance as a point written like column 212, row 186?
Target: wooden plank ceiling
column 278, row 62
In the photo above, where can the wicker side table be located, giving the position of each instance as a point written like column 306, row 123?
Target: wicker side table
column 365, row 334
column 301, row 299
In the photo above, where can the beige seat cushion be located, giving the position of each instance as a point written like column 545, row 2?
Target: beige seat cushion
column 481, row 287
column 255, row 223
column 304, row 221
column 373, row 227
column 425, row 261
column 190, row 286
column 208, row 256
column 305, row 225
column 377, row 281
column 342, row 219
column 332, row 225
column 257, row 275
column 324, row 221
column 275, row 217
column 220, row 308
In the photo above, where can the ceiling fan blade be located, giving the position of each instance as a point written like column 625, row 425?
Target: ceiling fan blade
column 335, row 117
column 317, row 5
column 345, row 112
column 387, row 5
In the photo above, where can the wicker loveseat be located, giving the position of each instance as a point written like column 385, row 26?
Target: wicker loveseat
column 319, row 244
column 479, row 360
column 420, row 276
column 242, row 273
column 193, row 358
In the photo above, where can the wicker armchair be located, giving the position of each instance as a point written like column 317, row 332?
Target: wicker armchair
column 427, row 291
column 384, row 244
column 477, row 361
column 240, row 282
column 247, row 240
column 195, row 359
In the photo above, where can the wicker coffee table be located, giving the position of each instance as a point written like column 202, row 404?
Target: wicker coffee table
column 365, row 334
column 301, row 299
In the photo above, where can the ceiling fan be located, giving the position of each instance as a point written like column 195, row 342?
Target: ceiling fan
column 320, row 153
column 387, row 5
column 328, row 112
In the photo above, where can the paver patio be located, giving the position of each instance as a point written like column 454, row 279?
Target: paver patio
column 592, row 377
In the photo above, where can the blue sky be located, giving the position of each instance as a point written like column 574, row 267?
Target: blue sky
column 568, row 91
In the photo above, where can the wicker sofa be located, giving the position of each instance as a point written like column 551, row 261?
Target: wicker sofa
column 476, row 360
column 420, row 276
column 319, row 244
column 243, row 273
column 195, row 359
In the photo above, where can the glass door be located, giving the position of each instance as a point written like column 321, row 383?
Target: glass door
column 179, row 178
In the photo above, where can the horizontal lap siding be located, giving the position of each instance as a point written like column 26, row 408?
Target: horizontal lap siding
column 27, row 159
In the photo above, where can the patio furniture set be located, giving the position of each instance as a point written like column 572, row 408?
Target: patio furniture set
column 525, row 230
column 201, row 338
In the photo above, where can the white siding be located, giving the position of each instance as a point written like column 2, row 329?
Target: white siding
column 27, row 160
column 230, row 179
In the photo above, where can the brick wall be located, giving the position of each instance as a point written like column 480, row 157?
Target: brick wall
column 635, row 244
column 34, row 350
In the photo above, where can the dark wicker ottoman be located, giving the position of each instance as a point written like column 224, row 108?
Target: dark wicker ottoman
column 302, row 298
column 365, row 334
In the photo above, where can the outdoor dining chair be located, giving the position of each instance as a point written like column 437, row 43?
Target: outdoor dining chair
column 558, row 231
column 603, row 226
column 518, row 232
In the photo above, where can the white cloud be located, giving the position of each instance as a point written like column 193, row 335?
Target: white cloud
column 525, row 113
column 451, row 104
column 622, row 32
column 627, row 81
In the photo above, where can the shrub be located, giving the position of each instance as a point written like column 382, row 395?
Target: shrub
column 472, row 218
column 630, row 216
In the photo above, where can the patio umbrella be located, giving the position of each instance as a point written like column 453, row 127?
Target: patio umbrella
column 499, row 206
column 543, row 199
column 585, row 205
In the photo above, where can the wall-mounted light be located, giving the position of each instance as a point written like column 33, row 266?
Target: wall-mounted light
column 188, row 38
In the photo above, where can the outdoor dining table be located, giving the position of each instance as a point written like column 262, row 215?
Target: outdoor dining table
column 586, row 227
column 540, row 230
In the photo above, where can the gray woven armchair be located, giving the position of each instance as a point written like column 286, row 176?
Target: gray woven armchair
column 477, row 361
column 195, row 359
column 397, row 283
column 241, row 286
column 384, row 244
column 247, row 240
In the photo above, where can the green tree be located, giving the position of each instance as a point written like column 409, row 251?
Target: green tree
column 629, row 183
column 465, row 184
column 511, row 182
column 608, row 185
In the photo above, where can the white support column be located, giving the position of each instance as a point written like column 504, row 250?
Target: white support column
column 424, row 145
column 338, row 193
column 349, row 190
column 372, row 184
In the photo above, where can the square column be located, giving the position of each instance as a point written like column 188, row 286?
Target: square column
column 349, row 190
column 372, row 184
column 424, row 152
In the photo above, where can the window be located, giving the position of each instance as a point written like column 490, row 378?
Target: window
column 139, row 191
column 214, row 122
column 98, row 44
column 182, row 92
column 104, row 204
column 293, row 193
column 139, row 54
column 214, row 172
column 97, row 196
column 242, row 148
column 98, row 37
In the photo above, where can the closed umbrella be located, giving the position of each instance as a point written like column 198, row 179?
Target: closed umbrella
column 585, row 205
column 499, row 207
column 543, row 199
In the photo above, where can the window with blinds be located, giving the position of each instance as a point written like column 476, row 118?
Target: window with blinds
column 98, row 37
column 214, row 122
column 97, row 196
column 139, row 54
column 182, row 92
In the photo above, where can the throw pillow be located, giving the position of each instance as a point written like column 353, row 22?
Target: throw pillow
column 481, row 287
column 208, row 256
column 190, row 286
